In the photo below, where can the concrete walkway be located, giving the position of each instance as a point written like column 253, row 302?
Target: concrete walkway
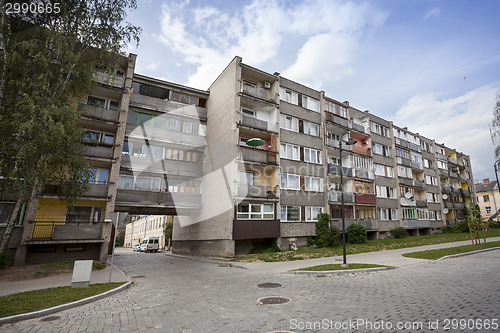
column 102, row 276
column 388, row 258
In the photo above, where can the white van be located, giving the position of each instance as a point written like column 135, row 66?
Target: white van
column 150, row 244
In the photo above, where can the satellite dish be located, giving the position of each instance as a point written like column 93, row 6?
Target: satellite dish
column 445, row 196
column 408, row 195
column 445, row 210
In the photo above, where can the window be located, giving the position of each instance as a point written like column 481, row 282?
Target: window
column 290, row 213
column 83, row 214
column 422, row 214
column 246, row 178
column 312, row 155
column 304, row 101
column 311, row 128
column 365, row 212
column 153, row 151
column 149, row 90
column 336, row 109
column 428, row 164
column 99, row 176
column 248, row 113
column 488, row 210
column 408, row 213
column 432, row 197
column 404, row 172
column 386, row 192
column 430, row 180
column 416, row 157
column 290, row 151
column 434, row 215
column 251, row 211
column 139, row 183
column 98, row 138
column 486, row 198
column 386, row 214
column 442, row 165
column 290, row 181
column 361, row 162
column 405, row 189
column 363, row 187
column 402, row 153
column 289, row 123
column 184, row 98
column 381, row 150
column 103, row 102
column 426, row 146
column 379, row 129
column 312, row 213
column 313, row 184
column 383, row 170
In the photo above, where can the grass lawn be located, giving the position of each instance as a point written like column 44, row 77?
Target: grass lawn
column 35, row 300
column 369, row 246
column 439, row 253
column 338, row 267
column 62, row 267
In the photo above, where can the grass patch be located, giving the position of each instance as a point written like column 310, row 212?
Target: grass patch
column 36, row 300
column 338, row 267
column 49, row 269
column 369, row 246
column 439, row 253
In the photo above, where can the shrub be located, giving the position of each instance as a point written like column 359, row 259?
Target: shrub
column 399, row 232
column 120, row 238
column 356, row 234
column 265, row 247
column 495, row 224
column 326, row 236
column 457, row 228
column 4, row 259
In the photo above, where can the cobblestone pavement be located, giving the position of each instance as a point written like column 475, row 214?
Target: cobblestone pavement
column 180, row 295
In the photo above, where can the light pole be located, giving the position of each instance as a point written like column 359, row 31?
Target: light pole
column 498, row 185
column 349, row 142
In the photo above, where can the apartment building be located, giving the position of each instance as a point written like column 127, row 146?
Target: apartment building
column 253, row 159
column 147, row 226
column 488, row 198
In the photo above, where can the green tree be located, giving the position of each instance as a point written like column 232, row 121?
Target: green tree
column 168, row 229
column 326, row 236
column 48, row 60
column 472, row 215
column 356, row 234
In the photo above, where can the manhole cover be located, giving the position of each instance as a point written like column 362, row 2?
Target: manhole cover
column 269, row 285
column 138, row 276
column 51, row 318
column 273, row 300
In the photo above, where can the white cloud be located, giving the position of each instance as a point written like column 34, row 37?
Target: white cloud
column 208, row 37
column 460, row 123
column 433, row 12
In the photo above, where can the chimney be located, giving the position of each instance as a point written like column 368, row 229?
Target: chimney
column 486, row 181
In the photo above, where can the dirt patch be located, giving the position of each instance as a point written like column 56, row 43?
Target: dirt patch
column 29, row 272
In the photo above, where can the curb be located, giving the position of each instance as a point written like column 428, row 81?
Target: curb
column 468, row 253
column 41, row 313
column 208, row 261
column 360, row 270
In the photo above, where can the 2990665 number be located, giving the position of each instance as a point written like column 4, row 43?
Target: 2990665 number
column 33, row 8
column 477, row 324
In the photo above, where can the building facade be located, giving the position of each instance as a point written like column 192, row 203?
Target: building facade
column 147, row 226
column 255, row 158
column 488, row 198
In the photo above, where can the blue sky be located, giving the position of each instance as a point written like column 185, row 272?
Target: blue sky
column 430, row 65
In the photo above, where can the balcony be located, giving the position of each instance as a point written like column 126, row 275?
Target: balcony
column 416, row 165
column 97, row 191
column 363, row 173
column 405, row 181
column 414, row 147
column 459, row 205
column 162, row 105
column 258, row 155
column 421, row 203
column 254, row 123
column 450, row 222
column 447, row 189
column 404, row 161
column 408, row 202
column 441, row 157
column 265, row 95
column 356, row 127
column 164, row 135
column 402, row 143
column 66, row 231
column 335, row 170
column 449, row 204
column 455, row 189
column 369, row 224
column 98, row 113
column 452, row 161
column 454, row 175
column 254, row 191
column 336, row 119
column 419, row 184
column 366, row 199
column 109, row 79
column 443, row 173
column 416, row 224
column 255, row 229
column 100, row 152
column 337, row 222
column 156, row 202
column 336, row 196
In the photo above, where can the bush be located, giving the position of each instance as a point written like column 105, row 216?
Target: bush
column 457, row 228
column 4, row 259
column 356, row 234
column 265, row 247
column 326, row 236
column 495, row 224
column 120, row 238
column 399, row 232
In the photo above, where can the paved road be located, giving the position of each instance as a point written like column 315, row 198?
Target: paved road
column 181, row 295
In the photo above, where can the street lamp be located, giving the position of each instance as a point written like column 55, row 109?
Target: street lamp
column 498, row 184
column 350, row 141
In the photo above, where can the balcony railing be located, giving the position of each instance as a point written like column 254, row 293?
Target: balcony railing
column 406, row 181
column 269, row 192
column 441, row 157
column 57, row 231
column 450, row 222
column 421, row 203
column 415, row 147
column 109, row 79
column 335, row 170
column 416, row 224
column 337, row 222
column 258, row 155
column 449, row 204
column 416, row 165
column 356, row 127
column 96, row 112
column 336, row 196
column 369, row 224
column 454, row 174
column 404, row 161
column 452, row 161
column 459, row 205
column 100, row 151
column 447, row 189
column 262, row 94
column 254, row 123
column 363, row 173
column 401, row 142
column 419, row 184
column 443, row 173
column 363, row 198
column 336, row 119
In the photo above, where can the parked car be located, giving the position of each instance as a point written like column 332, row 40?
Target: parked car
column 150, row 244
column 137, row 247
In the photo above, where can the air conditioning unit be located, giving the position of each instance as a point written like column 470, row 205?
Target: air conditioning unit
column 267, row 85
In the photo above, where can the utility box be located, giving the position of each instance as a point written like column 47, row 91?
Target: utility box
column 81, row 274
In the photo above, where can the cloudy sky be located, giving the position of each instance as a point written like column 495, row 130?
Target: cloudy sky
column 430, row 65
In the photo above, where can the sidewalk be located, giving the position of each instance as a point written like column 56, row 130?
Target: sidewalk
column 387, row 258
column 102, row 276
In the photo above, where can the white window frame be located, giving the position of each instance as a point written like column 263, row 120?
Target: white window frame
column 294, row 123
column 312, row 152
column 295, row 150
column 287, row 177
column 313, row 184
column 309, row 213
column 284, row 213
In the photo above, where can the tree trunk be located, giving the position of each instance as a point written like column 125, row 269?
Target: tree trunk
column 10, row 225
column 471, row 237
